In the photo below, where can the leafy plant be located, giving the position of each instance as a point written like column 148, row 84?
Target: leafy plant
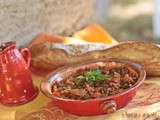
column 92, row 76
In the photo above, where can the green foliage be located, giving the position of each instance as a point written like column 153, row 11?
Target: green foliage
column 92, row 76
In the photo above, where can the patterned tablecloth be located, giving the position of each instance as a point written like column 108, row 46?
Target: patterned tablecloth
column 145, row 106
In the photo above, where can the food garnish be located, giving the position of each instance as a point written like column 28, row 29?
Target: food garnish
column 92, row 76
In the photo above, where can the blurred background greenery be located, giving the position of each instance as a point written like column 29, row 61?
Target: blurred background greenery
column 130, row 20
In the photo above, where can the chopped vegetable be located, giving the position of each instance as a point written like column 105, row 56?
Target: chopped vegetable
column 96, row 82
column 56, row 94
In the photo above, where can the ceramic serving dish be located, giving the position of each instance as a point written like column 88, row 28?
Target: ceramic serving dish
column 96, row 106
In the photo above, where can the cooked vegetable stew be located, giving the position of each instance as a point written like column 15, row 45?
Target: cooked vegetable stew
column 96, row 81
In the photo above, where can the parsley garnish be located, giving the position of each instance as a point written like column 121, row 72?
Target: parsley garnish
column 92, row 76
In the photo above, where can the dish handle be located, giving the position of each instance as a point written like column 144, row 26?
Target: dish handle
column 108, row 106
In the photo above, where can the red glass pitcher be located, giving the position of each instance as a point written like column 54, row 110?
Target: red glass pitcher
column 16, row 85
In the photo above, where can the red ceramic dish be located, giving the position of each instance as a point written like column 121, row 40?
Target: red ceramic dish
column 95, row 106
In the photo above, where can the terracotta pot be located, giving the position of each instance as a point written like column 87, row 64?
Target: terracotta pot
column 16, row 85
column 95, row 106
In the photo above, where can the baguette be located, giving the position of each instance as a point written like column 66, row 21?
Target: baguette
column 44, row 56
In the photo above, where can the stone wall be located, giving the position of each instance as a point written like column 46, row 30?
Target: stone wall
column 22, row 20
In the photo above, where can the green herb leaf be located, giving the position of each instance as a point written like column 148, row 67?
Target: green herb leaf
column 79, row 79
column 91, row 76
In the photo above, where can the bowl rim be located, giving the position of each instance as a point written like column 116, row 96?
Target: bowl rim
column 45, row 85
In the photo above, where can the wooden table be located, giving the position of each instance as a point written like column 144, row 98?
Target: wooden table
column 152, row 109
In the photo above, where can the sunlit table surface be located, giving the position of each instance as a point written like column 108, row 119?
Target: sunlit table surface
column 133, row 110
